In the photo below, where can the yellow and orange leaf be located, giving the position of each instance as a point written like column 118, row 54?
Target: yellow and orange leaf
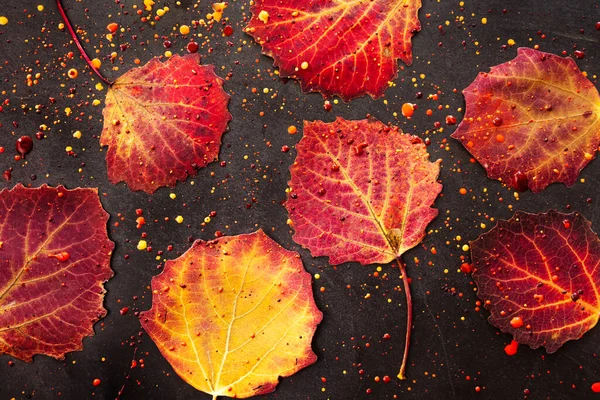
column 539, row 276
column 233, row 315
column 345, row 48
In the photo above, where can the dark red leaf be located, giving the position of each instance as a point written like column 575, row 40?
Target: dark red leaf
column 539, row 277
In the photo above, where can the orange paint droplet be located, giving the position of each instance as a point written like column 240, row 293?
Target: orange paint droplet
column 408, row 109
column 511, row 349
column 462, row 191
column 292, row 130
column 596, row 387
column 516, row 322
column 112, row 27
column 62, row 256
column 500, row 138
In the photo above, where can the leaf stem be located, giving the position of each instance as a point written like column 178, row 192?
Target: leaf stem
column 63, row 14
column 214, row 397
column 402, row 373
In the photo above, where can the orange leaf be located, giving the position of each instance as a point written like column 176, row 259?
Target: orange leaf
column 234, row 314
column 54, row 258
column 347, row 48
column 539, row 277
column 532, row 121
column 163, row 121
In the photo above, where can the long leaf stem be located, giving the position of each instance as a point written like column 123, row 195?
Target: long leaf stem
column 63, row 14
column 402, row 373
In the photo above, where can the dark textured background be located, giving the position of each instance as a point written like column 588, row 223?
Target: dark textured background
column 451, row 341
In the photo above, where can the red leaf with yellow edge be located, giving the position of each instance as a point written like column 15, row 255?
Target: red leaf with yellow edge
column 163, row 121
column 539, row 277
column 234, row 314
column 362, row 191
column 532, row 121
column 54, row 259
column 346, row 48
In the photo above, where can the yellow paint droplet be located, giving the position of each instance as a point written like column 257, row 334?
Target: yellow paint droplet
column 68, row 111
column 179, row 219
column 465, row 247
column 263, row 16
column 206, row 220
column 172, row 196
column 304, row 65
column 184, row 29
column 40, row 7
column 168, row 54
column 484, row 20
column 511, row 42
column 99, row 86
column 77, row 135
column 142, row 245
column 68, row 149
column 3, row 20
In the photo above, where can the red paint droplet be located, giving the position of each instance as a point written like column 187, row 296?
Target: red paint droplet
column 124, row 310
column 579, row 54
column 516, row 322
column 327, row 105
column 511, row 349
column 96, row 382
column 466, row 268
column 566, row 223
column 228, row 30
column 596, row 387
column 497, row 121
column 62, row 256
column 192, row 47
column 520, row 182
column 450, row 120
column 24, row 145
column 386, row 379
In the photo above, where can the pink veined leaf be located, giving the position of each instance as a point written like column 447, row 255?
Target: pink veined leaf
column 54, row 259
column 362, row 191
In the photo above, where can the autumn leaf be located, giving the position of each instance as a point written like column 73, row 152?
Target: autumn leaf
column 163, row 121
column 234, row 314
column 55, row 257
column 346, row 48
column 361, row 191
column 532, row 121
column 538, row 276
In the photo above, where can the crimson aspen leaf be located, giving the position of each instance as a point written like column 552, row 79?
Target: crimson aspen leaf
column 539, row 277
column 346, row 48
column 233, row 315
column 532, row 121
column 163, row 121
column 54, row 259
column 362, row 191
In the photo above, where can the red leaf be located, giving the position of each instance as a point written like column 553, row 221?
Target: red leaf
column 163, row 121
column 55, row 256
column 532, row 121
column 347, row 49
column 538, row 275
column 361, row 191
